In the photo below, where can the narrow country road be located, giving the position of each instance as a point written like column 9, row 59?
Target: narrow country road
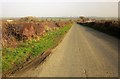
column 83, row 52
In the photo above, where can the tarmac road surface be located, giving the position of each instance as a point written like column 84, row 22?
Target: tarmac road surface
column 84, row 52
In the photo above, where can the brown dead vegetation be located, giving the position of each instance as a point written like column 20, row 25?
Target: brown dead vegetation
column 17, row 31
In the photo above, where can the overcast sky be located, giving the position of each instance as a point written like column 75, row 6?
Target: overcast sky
column 59, row 8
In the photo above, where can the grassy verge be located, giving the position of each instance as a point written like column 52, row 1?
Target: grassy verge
column 32, row 48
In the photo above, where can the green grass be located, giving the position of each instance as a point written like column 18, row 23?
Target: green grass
column 31, row 48
column 0, row 61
